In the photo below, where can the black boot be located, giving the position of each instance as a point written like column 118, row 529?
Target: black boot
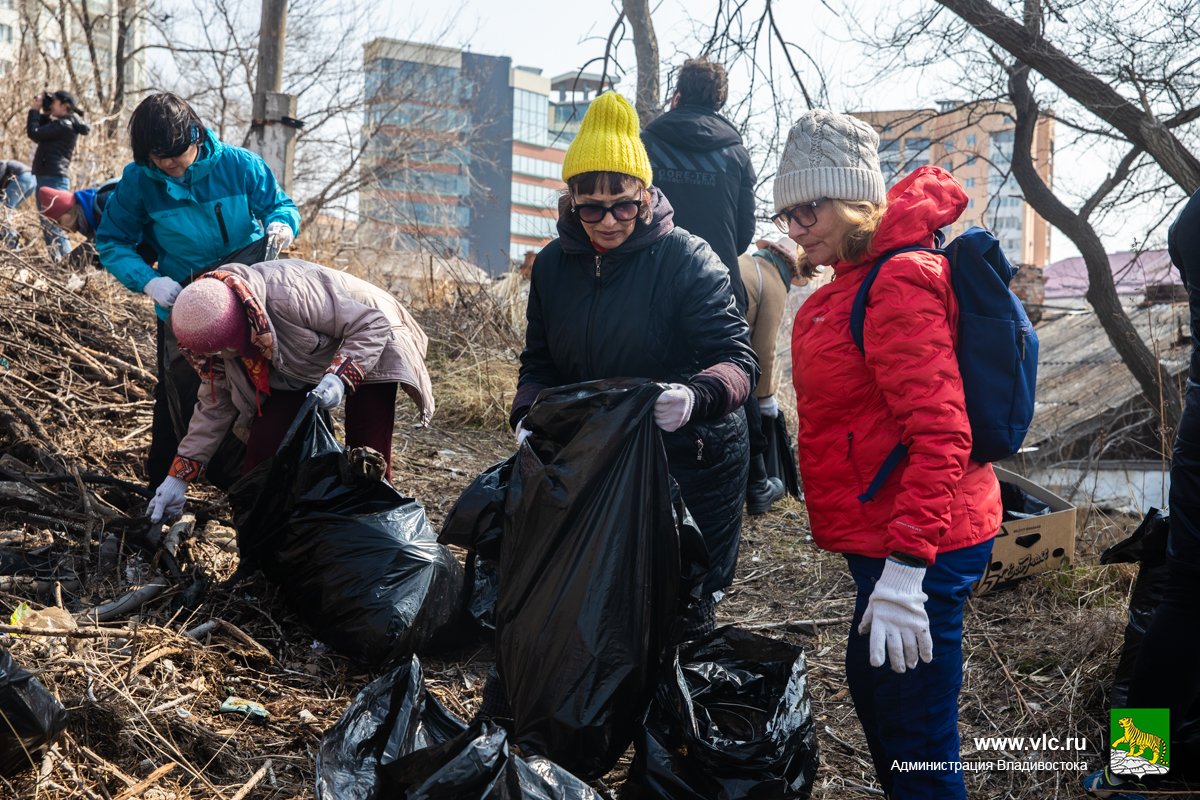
column 761, row 490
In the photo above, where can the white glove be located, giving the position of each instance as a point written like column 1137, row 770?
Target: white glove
column 522, row 433
column 280, row 235
column 164, row 290
column 329, row 392
column 673, row 408
column 168, row 500
column 896, row 618
column 768, row 406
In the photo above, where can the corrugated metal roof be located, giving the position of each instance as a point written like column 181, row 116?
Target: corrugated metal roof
column 1080, row 376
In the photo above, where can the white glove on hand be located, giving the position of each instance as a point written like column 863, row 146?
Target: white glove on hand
column 164, row 290
column 280, row 235
column 168, row 500
column 329, row 392
column 522, row 433
column 673, row 408
column 768, row 406
column 896, row 618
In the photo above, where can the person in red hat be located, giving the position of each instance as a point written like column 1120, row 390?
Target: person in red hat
column 264, row 337
column 54, row 123
column 80, row 212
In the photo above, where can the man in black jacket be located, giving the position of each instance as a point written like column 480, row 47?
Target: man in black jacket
column 53, row 123
column 702, row 167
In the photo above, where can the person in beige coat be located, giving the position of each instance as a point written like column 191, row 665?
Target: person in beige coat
column 263, row 337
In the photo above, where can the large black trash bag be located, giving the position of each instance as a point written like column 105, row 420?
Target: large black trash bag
column 733, row 720
column 781, row 454
column 30, row 718
column 357, row 560
column 476, row 522
column 1147, row 547
column 395, row 740
column 597, row 565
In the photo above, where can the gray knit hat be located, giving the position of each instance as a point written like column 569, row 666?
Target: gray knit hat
column 829, row 155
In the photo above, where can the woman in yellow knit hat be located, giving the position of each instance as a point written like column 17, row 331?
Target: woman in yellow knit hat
column 622, row 292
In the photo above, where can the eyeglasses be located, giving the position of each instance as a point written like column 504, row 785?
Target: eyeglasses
column 804, row 215
column 622, row 211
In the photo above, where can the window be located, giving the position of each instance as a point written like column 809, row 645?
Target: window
column 948, row 165
column 970, row 140
column 971, row 203
column 531, row 116
column 6, row 31
column 948, row 145
column 535, row 227
column 537, row 196
column 969, row 183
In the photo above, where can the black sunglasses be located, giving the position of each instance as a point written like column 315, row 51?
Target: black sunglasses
column 622, row 211
column 804, row 215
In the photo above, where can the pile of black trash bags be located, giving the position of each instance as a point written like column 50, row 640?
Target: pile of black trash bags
column 583, row 564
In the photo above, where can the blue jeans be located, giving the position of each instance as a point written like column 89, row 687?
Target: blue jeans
column 16, row 190
column 913, row 716
column 54, row 236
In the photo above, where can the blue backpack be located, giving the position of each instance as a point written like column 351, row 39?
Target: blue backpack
column 997, row 346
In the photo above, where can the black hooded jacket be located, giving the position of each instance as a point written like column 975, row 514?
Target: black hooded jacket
column 659, row 306
column 703, row 169
column 1183, row 245
column 55, row 141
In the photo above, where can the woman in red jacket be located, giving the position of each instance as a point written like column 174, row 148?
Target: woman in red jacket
column 916, row 542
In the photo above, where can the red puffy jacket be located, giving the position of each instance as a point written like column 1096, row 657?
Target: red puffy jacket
column 853, row 408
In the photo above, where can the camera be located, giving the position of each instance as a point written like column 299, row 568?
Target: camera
column 47, row 99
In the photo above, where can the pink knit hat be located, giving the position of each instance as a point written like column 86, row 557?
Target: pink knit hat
column 208, row 317
column 55, row 202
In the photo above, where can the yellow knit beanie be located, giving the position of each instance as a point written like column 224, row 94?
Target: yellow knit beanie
column 609, row 140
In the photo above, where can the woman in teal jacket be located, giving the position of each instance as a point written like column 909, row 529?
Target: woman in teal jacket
column 199, row 203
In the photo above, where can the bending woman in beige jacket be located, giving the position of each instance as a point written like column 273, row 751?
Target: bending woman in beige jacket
column 265, row 336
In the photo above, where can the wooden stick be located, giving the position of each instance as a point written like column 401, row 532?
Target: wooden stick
column 255, row 779
column 77, row 633
column 147, row 782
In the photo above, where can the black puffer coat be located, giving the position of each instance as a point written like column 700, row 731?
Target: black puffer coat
column 55, row 141
column 704, row 170
column 660, row 307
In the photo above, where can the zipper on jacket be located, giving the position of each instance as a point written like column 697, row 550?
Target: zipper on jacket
column 850, row 458
column 699, row 450
column 587, row 343
column 221, row 223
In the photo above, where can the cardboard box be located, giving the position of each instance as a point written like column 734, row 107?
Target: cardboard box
column 1025, row 547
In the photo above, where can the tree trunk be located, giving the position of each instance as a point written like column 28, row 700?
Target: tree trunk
column 1102, row 290
column 645, row 46
column 1140, row 127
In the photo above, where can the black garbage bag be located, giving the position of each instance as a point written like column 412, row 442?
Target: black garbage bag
column 476, row 522
column 396, row 740
column 781, row 454
column 1147, row 547
column 30, row 718
column 597, row 566
column 732, row 720
column 355, row 559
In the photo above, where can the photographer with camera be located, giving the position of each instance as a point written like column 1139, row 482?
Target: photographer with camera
column 54, row 123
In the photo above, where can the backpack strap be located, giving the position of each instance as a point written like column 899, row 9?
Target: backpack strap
column 858, row 311
column 858, row 318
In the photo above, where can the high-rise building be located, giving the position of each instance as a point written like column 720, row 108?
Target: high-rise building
column 461, row 157
column 973, row 142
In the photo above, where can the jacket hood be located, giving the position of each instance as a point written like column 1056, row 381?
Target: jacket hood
column 575, row 239
column 695, row 128
column 210, row 151
column 927, row 199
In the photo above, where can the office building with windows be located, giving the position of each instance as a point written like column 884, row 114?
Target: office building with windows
column 38, row 38
column 974, row 142
column 459, row 157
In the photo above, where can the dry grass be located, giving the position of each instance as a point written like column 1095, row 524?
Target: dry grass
column 1038, row 657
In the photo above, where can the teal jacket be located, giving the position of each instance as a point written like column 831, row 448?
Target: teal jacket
column 223, row 202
